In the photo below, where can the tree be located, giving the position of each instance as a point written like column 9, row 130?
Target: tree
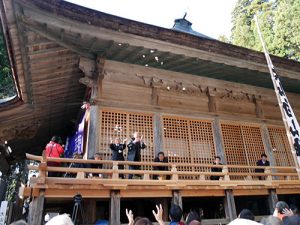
column 244, row 29
column 278, row 20
column 15, row 176
column 7, row 86
column 224, row 38
column 286, row 29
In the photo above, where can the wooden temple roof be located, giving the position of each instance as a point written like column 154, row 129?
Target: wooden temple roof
column 47, row 39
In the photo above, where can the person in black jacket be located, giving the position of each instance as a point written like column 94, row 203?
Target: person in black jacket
column 134, row 151
column 214, row 169
column 262, row 162
column 160, row 158
column 117, row 149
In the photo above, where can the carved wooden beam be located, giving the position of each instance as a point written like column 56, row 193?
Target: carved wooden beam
column 58, row 37
column 87, row 66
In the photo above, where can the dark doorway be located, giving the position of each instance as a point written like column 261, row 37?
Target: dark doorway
column 258, row 205
column 292, row 200
column 142, row 207
column 207, row 207
column 102, row 210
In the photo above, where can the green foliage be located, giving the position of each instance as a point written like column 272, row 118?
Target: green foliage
column 16, row 174
column 279, row 22
column 7, row 86
column 286, row 29
column 224, row 38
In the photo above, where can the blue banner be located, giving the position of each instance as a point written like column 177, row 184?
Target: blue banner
column 74, row 144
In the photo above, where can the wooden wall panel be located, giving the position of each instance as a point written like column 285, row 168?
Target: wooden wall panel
column 237, row 107
column 183, row 100
column 271, row 111
column 126, row 93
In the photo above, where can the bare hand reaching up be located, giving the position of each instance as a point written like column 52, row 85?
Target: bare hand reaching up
column 159, row 214
column 129, row 215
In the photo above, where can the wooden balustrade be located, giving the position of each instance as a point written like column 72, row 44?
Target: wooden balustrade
column 174, row 172
column 190, row 179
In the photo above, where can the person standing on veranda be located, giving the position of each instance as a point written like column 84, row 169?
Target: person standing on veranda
column 262, row 162
column 117, row 149
column 135, row 146
column 54, row 149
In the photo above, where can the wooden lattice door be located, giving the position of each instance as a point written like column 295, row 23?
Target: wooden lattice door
column 188, row 141
column 123, row 124
column 280, row 146
column 243, row 145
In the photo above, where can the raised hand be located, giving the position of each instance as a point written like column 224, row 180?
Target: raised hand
column 287, row 212
column 129, row 215
column 159, row 214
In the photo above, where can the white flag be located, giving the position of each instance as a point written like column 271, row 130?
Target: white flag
column 288, row 116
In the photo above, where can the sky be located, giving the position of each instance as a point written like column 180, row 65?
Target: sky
column 209, row 17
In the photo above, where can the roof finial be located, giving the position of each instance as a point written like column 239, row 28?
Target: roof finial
column 184, row 15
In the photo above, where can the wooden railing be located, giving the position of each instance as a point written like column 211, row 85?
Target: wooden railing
column 196, row 171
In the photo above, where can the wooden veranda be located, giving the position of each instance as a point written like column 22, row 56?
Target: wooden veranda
column 194, row 183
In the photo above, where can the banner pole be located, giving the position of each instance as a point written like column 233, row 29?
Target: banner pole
column 289, row 119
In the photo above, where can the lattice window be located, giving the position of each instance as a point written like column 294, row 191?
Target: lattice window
column 202, row 144
column 281, row 147
column 243, row 145
column 123, row 124
column 113, row 124
column 253, row 143
column 188, row 141
column 144, row 125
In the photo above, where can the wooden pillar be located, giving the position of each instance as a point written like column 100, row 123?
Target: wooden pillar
column 36, row 210
column 272, row 200
column 115, row 208
column 267, row 141
column 164, row 204
column 229, row 204
column 219, row 142
column 94, row 133
column 212, row 104
column 90, row 210
column 96, row 91
column 177, row 199
column 258, row 108
column 158, row 133
column 155, row 95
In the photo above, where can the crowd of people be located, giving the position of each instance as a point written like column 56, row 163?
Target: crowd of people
column 282, row 215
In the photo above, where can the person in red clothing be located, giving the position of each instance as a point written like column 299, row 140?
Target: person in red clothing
column 54, row 149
